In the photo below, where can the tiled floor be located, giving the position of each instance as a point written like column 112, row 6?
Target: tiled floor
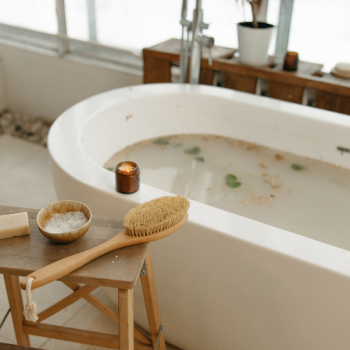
column 25, row 181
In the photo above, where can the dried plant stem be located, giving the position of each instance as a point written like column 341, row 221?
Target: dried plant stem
column 255, row 10
column 255, row 4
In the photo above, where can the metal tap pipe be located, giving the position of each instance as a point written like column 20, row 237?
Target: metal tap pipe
column 184, row 49
column 198, row 40
column 196, row 49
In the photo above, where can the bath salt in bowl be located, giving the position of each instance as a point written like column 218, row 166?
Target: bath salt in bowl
column 64, row 221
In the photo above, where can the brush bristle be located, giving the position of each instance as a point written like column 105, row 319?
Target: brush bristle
column 156, row 215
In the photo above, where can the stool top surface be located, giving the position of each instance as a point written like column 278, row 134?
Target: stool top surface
column 23, row 255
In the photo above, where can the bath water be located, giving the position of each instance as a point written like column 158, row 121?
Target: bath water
column 298, row 194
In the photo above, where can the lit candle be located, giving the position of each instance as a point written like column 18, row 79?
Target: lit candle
column 127, row 177
column 291, row 61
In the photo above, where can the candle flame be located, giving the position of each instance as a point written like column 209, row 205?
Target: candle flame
column 126, row 166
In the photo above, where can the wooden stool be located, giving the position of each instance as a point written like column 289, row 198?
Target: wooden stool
column 20, row 256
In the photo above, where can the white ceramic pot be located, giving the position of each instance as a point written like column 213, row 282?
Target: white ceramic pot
column 253, row 43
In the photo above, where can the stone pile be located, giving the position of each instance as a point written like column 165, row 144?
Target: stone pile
column 27, row 127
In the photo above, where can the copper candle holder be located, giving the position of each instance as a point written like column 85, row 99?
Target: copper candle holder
column 291, row 61
column 127, row 177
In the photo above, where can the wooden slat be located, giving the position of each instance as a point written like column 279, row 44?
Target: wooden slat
column 240, row 83
column 335, row 81
column 65, row 302
column 4, row 346
column 98, row 304
column 78, row 336
column 140, row 346
column 285, row 92
column 332, row 102
column 126, row 319
column 206, row 76
column 155, row 71
column 16, row 305
column 305, row 81
column 73, row 335
column 151, row 302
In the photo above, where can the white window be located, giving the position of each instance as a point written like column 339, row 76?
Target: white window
column 117, row 30
column 320, row 31
column 38, row 15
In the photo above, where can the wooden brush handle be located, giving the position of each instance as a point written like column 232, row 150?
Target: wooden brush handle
column 65, row 266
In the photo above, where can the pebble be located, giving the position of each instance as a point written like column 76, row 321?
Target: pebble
column 27, row 127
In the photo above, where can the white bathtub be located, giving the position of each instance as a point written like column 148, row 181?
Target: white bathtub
column 224, row 281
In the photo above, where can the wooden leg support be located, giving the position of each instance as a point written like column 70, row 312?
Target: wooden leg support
column 16, row 305
column 107, row 311
column 65, row 302
column 126, row 319
column 151, row 301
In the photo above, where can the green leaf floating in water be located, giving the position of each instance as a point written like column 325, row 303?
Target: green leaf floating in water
column 193, row 150
column 231, row 181
column 233, row 184
column 110, row 169
column 297, row 167
column 161, row 142
column 231, row 178
column 200, row 159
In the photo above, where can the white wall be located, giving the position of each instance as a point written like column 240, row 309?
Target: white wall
column 3, row 97
column 41, row 84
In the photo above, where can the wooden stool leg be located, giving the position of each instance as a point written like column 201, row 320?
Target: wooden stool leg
column 126, row 319
column 151, row 301
column 16, row 305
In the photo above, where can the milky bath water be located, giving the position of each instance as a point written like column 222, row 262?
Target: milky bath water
column 298, row 194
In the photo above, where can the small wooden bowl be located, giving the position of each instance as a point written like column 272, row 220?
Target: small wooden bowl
column 62, row 207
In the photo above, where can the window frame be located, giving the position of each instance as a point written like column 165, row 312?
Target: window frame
column 62, row 45
column 52, row 44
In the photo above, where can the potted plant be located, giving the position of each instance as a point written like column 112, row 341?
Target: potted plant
column 254, row 38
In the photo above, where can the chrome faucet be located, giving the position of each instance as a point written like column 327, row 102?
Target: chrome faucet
column 198, row 41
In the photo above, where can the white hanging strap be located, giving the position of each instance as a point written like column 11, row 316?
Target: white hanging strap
column 30, row 310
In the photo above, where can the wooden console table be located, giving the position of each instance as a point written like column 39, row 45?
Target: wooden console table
column 20, row 256
column 332, row 93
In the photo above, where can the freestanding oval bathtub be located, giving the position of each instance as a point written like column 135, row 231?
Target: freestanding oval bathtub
column 224, row 281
